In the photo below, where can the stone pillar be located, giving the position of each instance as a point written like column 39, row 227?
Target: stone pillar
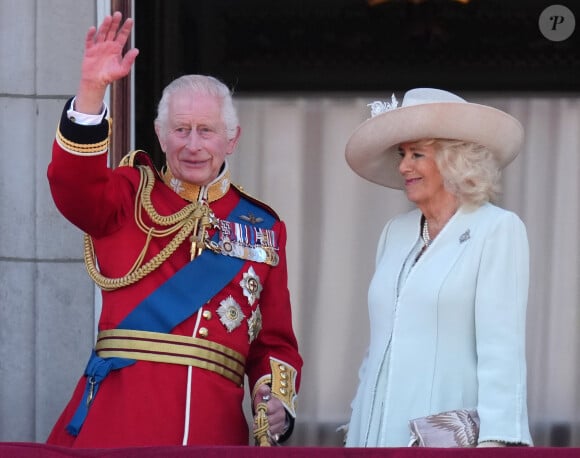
column 46, row 298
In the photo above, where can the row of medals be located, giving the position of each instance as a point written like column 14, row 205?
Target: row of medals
column 241, row 247
column 255, row 253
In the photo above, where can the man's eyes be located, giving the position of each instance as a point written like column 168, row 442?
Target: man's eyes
column 186, row 130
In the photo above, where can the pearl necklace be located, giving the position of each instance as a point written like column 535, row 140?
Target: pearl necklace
column 425, row 234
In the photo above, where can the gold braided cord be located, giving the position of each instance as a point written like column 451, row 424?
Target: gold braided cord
column 137, row 272
column 143, row 200
column 261, row 425
column 183, row 222
column 182, row 214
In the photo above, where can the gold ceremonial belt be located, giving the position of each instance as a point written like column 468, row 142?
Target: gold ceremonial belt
column 172, row 349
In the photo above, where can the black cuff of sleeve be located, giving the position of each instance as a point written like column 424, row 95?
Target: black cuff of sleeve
column 78, row 133
column 284, row 437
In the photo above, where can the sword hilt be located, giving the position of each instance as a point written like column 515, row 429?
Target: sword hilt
column 261, row 426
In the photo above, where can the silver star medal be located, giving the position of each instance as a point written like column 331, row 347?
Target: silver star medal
column 230, row 313
column 251, row 285
column 254, row 324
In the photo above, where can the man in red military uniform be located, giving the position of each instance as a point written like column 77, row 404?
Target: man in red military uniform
column 193, row 272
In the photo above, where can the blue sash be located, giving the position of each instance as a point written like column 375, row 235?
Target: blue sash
column 181, row 296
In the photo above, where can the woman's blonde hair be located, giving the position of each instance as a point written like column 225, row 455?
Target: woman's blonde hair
column 470, row 171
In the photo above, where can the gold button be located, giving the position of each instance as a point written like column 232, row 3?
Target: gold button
column 203, row 332
column 283, row 391
column 283, row 375
column 282, row 368
column 206, row 314
column 283, row 383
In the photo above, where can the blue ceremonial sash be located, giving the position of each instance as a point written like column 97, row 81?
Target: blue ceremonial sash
column 181, row 296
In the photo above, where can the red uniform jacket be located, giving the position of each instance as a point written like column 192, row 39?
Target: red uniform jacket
column 156, row 403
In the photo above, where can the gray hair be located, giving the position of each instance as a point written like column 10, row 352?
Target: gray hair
column 470, row 171
column 200, row 84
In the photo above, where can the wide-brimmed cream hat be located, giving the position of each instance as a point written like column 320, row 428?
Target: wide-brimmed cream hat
column 426, row 113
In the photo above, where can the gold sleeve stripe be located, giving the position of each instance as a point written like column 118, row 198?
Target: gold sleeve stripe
column 81, row 149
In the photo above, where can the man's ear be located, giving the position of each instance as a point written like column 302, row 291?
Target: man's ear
column 233, row 142
column 160, row 136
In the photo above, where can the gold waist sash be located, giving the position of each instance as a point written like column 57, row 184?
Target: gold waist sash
column 172, row 349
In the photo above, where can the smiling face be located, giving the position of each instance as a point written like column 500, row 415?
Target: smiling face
column 424, row 184
column 194, row 139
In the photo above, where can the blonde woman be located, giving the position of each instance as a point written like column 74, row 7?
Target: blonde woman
column 447, row 302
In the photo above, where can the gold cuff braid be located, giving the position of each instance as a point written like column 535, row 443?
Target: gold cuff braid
column 82, row 149
column 284, row 384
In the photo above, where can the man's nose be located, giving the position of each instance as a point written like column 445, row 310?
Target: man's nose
column 194, row 140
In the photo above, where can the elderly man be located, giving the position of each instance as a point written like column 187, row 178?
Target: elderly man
column 192, row 271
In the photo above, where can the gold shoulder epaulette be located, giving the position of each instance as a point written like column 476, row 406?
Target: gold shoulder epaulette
column 257, row 201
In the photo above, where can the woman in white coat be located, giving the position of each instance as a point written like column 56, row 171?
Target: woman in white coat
column 447, row 302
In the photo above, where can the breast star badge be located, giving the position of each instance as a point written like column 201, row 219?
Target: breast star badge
column 230, row 313
column 254, row 324
column 251, row 285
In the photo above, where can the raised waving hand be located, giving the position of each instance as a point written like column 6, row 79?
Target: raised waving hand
column 104, row 62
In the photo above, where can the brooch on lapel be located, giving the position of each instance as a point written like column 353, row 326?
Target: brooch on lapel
column 465, row 236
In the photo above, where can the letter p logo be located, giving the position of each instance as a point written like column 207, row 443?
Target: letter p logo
column 557, row 23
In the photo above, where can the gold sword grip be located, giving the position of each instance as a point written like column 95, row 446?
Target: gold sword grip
column 261, row 425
